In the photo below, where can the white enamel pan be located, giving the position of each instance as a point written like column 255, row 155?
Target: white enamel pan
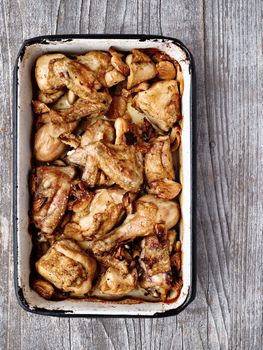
column 23, row 117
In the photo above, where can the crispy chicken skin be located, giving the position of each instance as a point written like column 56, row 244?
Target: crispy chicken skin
column 96, row 220
column 160, row 103
column 68, row 268
column 159, row 169
column 113, row 282
column 50, row 186
column 119, row 162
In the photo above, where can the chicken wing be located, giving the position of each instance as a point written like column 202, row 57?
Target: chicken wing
column 68, row 268
column 96, row 103
column 159, row 169
column 50, row 187
column 160, row 103
column 119, row 162
column 113, row 282
column 74, row 75
column 104, row 212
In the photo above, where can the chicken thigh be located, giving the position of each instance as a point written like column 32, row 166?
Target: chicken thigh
column 68, row 267
column 96, row 220
column 160, row 103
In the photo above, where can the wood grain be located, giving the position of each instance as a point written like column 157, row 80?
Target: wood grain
column 225, row 38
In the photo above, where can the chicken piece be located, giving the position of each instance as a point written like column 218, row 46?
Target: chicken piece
column 119, row 260
column 117, row 108
column 80, row 197
column 91, row 172
column 159, row 169
column 158, row 285
column 154, row 258
column 74, row 75
column 149, row 211
column 98, row 130
column 68, row 268
column 141, row 68
column 168, row 211
column 40, row 107
column 176, row 257
column 113, row 77
column 50, row 187
column 160, row 103
column 96, row 103
column 50, row 98
column 98, row 62
column 42, row 71
column 103, row 213
column 103, row 179
column 139, row 224
column 114, row 282
column 70, row 139
column 117, row 62
column 47, row 145
column 119, row 162
column 65, row 102
column 167, row 189
column 166, row 70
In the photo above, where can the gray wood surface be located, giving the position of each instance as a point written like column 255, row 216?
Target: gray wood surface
column 225, row 38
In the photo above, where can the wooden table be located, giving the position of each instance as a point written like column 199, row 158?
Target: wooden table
column 225, row 38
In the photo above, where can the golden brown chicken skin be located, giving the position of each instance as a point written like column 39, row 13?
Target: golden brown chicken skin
column 50, row 187
column 160, row 103
column 68, row 268
column 99, row 217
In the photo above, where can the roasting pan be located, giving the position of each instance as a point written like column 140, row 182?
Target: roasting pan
column 22, row 125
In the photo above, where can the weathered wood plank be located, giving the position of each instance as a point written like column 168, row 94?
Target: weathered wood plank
column 225, row 38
